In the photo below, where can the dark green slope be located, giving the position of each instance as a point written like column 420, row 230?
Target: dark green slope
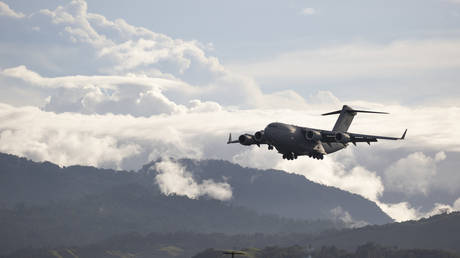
column 433, row 237
column 134, row 208
column 437, row 232
column 25, row 182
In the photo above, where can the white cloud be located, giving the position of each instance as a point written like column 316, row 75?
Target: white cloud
column 120, row 49
column 357, row 60
column 135, row 95
column 440, row 208
column 5, row 10
column 413, row 174
column 339, row 214
column 308, row 11
column 399, row 211
column 173, row 178
column 457, row 205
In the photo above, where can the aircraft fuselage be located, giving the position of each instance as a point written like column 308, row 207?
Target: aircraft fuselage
column 290, row 140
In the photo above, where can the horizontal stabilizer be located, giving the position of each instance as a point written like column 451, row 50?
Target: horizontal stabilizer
column 346, row 115
column 353, row 111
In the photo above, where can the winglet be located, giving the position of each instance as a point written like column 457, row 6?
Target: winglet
column 230, row 139
column 404, row 135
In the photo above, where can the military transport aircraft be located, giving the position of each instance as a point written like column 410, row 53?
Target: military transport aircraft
column 293, row 141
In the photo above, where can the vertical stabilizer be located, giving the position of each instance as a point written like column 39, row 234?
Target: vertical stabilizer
column 346, row 117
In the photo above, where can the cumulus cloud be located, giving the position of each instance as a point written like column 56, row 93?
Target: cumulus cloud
column 413, row 174
column 173, row 178
column 119, row 49
column 135, row 95
column 5, row 10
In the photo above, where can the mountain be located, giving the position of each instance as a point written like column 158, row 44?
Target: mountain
column 28, row 183
column 42, row 204
column 364, row 251
column 437, row 232
column 51, row 210
column 134, row 208
column 433, row 237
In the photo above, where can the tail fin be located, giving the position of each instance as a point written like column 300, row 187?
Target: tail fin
column 346, row 117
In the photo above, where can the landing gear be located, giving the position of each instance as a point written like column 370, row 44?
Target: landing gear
column 270, row 147
column 316, row 156
column 290, row 156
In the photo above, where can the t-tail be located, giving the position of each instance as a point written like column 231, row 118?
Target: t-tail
column 346, row 117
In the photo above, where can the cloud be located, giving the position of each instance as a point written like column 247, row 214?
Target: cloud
column 118, row 49
column 401, row 211
column 341, row 215
column 5, row 10
column 173, row 178
column 135, row 95
column 440, row 208
column 308, row 11
column 457, row 205
column 413, row 174
column 399, row 58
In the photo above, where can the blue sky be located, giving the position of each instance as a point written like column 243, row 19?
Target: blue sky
column 131, row 81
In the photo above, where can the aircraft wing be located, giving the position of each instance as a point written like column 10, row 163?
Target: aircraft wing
column 329, row 136
column 354, row 137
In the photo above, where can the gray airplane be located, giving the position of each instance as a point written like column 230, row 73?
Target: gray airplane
column 293, row 141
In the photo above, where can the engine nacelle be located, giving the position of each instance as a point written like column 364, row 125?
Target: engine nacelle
column 342, row 137
column 246, row 139
column 313, row 135
column 259, row 136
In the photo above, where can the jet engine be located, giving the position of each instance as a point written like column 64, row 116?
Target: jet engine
column 342, row 137
column 246, row 139
column 313, row 135
column 259, row 136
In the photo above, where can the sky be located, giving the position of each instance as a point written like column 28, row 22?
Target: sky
column 116, row 84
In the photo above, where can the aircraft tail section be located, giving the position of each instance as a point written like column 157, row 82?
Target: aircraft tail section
column 346, row 116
